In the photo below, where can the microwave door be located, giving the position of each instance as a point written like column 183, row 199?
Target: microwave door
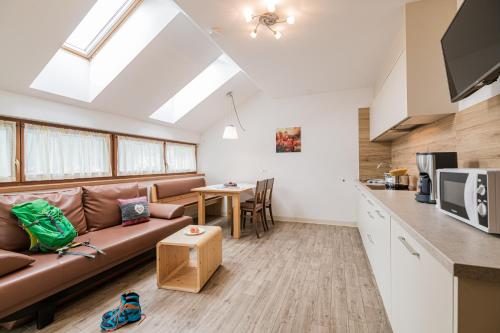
column 453, row 193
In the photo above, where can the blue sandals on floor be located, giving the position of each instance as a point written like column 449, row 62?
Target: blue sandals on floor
column 128, row 312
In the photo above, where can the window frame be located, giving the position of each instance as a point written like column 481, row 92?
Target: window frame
column 21, row 179
column 181, row 172
column 105, row 37
column 17, row 153
column 145, row 139
column 82, row 134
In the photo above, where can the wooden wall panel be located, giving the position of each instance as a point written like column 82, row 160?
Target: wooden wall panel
column 473, row 133
column 370, row 153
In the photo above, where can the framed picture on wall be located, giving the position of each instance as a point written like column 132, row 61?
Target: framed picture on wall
column 288, row 140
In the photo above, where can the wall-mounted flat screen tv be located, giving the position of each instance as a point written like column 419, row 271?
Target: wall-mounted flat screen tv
column 471, row 47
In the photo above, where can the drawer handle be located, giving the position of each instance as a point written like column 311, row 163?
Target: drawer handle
column 380, row 214
column 369, row 201
column 363, row 195
column 370, row 238
column 408, row 247
column 370, row 215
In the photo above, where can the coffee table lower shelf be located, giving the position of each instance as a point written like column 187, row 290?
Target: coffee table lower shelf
column 184, row 279
column 174, row 268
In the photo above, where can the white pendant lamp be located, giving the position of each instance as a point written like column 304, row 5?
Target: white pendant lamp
column 230, row 131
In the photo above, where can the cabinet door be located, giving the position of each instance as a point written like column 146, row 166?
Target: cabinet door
column 363, row 218
column 381, row 237
column 422, row 289
column 390, row 104
column 375, row 232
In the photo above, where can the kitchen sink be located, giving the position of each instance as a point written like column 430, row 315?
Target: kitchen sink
column 381, row 187
column 376, row 187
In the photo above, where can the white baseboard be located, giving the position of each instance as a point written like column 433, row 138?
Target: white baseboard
column 315, row 221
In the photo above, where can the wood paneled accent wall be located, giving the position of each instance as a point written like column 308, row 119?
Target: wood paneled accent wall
column 473, row 133
column 370, row 153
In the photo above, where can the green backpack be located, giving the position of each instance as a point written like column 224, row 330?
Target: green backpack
column 49, row 230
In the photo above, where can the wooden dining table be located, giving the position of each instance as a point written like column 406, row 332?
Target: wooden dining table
column 233, row 193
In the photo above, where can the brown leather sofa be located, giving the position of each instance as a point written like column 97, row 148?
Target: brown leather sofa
column 178, row 192
column 94, row 212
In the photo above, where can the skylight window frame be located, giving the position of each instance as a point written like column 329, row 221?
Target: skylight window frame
column 223, row 67
column 105, row 33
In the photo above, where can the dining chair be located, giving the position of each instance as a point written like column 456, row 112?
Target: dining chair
column 255, row 208
column 268, row 203
column 269, row 199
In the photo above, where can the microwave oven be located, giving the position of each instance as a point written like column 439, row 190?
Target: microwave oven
column 471, row 196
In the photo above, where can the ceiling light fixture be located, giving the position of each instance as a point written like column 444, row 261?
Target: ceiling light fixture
column 230, row 131
column 267, row 19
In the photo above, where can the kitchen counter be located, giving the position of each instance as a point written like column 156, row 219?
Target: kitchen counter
column 465, row 251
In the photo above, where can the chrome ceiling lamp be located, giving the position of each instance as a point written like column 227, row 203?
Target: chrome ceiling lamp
column 267, row 19
column 230, row 132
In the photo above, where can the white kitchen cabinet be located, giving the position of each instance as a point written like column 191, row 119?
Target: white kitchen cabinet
column 412, row 89
column 422, row 289
column 389, row 106
column 374, row 228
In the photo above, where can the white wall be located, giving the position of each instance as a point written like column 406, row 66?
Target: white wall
column 308, row 185
column 27, row 107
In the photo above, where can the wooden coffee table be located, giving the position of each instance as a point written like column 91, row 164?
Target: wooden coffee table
column 174, row 268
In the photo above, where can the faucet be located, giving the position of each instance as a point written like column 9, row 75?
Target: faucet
column 384, row 164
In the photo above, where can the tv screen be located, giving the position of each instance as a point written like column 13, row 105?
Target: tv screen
column 471, row 47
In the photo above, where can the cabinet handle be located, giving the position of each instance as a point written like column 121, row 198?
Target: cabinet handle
column 370, row 202
column 370, row 215
column 363, row 195
column 380, row 214
column 408, row 247
column 370, row 238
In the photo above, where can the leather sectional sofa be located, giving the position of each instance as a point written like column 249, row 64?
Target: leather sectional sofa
column 94, row 212
column 178, row 192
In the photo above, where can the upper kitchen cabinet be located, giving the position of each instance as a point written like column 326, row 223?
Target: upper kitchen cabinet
column 413, row 89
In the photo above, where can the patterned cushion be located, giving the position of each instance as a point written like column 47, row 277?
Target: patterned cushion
column 134, row 211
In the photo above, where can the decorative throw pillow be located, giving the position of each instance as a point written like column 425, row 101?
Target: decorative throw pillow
column 134, row 211
column 11, row 261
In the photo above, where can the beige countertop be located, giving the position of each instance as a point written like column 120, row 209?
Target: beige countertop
column 464, row 250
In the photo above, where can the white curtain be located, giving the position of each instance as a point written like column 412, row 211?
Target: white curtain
column 7, row 151
column 59, row 153
column 140, row 156
column 181, row 158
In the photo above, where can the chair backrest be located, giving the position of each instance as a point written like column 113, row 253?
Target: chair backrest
column 260, row 192
column 269, row 188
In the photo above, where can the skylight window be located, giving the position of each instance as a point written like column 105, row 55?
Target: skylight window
column 99, row 23
column 202, row 86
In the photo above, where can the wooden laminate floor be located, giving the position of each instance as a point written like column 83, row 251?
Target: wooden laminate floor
column 296, row 278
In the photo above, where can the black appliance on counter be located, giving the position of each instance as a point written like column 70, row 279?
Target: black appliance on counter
column 427, row 164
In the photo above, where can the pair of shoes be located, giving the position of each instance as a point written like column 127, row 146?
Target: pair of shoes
column 128, row 312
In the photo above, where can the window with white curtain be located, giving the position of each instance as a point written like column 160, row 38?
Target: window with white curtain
column 140, row 156
column 60, row 153
column 181, row 158
column 7, row 151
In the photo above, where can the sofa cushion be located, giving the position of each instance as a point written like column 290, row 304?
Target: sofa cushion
column 143, row 191
column 165, row 211
column 174, row 187
column 12, row 261
column 13, row 238
column 100, row 204
column 50, row 274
